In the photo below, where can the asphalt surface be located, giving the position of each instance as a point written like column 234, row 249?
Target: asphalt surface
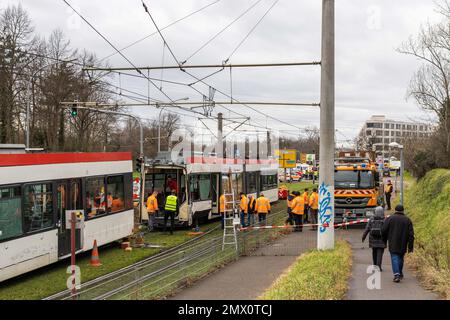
column 408, row 289
column 249, row 276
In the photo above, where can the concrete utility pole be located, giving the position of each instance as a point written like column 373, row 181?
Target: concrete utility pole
column 219, row 145
column 325, row 235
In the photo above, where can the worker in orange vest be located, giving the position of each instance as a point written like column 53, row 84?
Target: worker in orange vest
column 222, row 210
column 262, row 207
column 298, row 209
column 152, row 208
column 243, row 208
column 251, row 210
column 306, row 200
column 314, row 208
column 289, row 200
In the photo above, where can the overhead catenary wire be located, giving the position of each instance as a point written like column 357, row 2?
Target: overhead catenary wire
column 163, row 28
column 114, row 47
column 202, row 81
column 251, row 31
column 222, row 30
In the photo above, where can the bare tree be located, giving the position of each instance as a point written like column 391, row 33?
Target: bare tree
column 430, row 84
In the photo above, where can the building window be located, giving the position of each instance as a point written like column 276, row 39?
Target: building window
column 10, row 212
column 95, row 197
column 392, row 126
column 115, row 199
column 379, row 133
column 370, row 125
column 421, row 128
column 368, row 133
column 38, row 207
column 392, row 133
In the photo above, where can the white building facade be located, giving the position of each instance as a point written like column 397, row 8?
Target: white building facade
column 378, row 132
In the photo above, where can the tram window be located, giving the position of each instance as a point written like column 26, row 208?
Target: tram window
column 252, row 178
column 115, row 199
column 75, row 195
column 237, row 183
column 95, row 197
column 38, row 207
column 200, row 187
column 10, row 212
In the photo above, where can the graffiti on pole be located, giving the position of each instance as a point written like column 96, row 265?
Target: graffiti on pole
column 325, row 209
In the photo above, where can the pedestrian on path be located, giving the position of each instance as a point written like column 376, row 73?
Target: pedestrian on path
column 373, row 229
column 388, row 192
column 398, row 232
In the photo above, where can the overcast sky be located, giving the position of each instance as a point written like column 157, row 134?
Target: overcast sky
column 371, row 77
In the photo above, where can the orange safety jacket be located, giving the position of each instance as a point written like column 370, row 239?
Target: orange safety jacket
column 314, row 201
column 289, row 202
column 152, row 204
column 262, row 205
column 222, row 204
column 306, row 197
column 298, row 205
column 244, row 204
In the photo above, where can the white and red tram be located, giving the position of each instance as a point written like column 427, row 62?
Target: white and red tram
column 199, row 182
column 37, row 189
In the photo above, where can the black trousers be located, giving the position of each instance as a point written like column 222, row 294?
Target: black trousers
column 388, row 200
column 298, row 218
column 377, row 256
column 168, row 214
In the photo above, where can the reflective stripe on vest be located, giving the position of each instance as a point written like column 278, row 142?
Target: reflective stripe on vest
column 171, row 203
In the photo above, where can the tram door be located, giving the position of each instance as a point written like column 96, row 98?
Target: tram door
column 68, row 198
column 215, row 193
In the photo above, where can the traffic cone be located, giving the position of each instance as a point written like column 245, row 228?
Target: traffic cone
column 95, row 261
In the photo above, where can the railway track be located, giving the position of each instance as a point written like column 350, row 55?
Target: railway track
column 155, row 271
column 121, row 273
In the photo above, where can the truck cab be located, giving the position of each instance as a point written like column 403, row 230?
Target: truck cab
column 357, row 188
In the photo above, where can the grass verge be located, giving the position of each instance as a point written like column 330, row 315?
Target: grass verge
column 316, row 275
column 427, row 203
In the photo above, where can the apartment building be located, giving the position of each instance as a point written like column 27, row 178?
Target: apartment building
column 378, row 132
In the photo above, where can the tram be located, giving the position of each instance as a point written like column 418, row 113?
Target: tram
column 199, row 181
column 37, row 189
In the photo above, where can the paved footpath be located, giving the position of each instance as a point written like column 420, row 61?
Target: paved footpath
column 408, row 289
column 248, row 277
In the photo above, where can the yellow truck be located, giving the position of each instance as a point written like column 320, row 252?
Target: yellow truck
column 358, row 188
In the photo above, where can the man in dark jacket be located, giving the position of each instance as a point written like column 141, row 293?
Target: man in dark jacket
column 398, row 231
column 373, row 229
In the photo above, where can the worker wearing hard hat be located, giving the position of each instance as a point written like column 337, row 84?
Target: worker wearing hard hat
column 262, row 207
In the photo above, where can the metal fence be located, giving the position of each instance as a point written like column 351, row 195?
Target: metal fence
column 161, row 275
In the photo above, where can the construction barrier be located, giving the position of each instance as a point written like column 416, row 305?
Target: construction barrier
column 325, row 225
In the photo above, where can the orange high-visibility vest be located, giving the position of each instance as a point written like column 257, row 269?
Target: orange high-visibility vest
column 222, row 204
column 244, row 204
column 152, row 204
column 314, row 201
column 305, row 197
column 298, row 205
column 289, row 202
column 262, row 205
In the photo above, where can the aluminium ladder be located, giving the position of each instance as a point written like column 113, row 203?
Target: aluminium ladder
column 229, row 230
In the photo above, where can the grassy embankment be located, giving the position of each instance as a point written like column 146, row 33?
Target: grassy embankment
column 427, row 203
column 316, row 275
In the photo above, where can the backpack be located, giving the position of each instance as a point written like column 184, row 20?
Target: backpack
column 375, row 230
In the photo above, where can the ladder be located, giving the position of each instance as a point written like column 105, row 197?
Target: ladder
column 229, row 230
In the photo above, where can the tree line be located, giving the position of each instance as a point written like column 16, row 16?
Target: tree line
column 37, row 74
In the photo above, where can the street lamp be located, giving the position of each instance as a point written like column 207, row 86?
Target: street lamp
column 395, row 145
column 163, row 106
